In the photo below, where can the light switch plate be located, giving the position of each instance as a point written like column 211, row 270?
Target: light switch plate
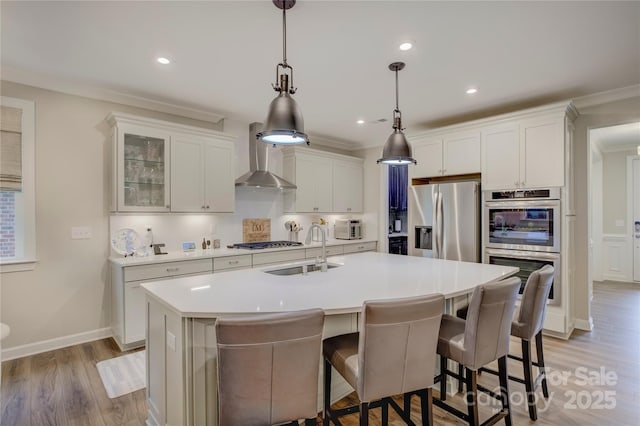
column 171, row 341
column 81, row 233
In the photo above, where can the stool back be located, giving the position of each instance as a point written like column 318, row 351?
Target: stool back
column 268, row 367
column 397, row 345
column 533, row 306
column 488, row 323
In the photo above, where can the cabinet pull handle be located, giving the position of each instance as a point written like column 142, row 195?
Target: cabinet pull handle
column 173, row 269
column 234, row 262
column 168, row 206
column 360, row 247
column 348, row 209
column 315, row 209
column 517, row 184
column 202, row 207
column 207, row 206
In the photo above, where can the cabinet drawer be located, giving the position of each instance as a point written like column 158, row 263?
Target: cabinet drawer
column 331, row 251
column 169, row 269
column 357, row 248
column 278, row 256
column 231, row 262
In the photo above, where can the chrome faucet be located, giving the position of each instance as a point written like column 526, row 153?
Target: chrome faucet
column 323, row 255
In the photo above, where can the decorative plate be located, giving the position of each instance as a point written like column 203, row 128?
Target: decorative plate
column 125, row 241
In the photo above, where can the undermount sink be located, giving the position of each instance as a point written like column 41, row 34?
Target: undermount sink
column 299, row 269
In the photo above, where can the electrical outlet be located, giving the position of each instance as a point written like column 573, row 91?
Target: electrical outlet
column 81, row 233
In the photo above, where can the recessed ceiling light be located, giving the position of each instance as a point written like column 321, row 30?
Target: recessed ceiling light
column 406, row 45
column 163, row 61
column 360, row 121
column 471, row 91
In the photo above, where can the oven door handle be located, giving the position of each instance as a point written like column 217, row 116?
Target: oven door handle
column 520, row 204
column 518, row 254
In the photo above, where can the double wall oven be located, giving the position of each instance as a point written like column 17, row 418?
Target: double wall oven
column 522, row 229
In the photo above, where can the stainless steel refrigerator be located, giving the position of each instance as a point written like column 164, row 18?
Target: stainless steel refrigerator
column 444, row 221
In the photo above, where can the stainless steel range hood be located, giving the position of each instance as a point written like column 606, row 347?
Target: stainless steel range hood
column 259, row 176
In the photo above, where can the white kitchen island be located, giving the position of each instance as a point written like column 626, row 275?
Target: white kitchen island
column 181, row 312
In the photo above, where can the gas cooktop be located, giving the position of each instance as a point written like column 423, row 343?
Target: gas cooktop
column 265, row 245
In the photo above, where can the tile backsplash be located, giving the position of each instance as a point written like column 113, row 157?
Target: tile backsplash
column 173, row 229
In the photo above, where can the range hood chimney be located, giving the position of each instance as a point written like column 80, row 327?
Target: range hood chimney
column 259, row 176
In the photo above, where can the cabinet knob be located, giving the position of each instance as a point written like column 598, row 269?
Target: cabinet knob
column 202, row 207
column 208, row 207
column 315, row 209
column 234, row 262
column 168, row 206
column 348, row 209
column 516, row 184
column 444, row 171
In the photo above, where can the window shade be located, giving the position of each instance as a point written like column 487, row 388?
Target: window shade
column 10, row 149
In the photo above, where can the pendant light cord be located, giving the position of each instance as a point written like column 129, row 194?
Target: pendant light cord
column 284, row 36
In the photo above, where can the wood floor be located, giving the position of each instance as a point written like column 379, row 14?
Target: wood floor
column 63, row 387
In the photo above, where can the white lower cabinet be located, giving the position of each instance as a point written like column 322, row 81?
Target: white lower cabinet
column 128, row 300
column 360, row 247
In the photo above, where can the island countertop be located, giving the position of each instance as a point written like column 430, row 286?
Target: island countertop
column 343, row 289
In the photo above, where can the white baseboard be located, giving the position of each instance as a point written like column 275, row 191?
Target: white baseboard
column 586, row 325
column 57, row 343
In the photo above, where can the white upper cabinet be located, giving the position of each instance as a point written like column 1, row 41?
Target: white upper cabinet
column 347, row 186
column 141, row 175
column 446, row 155
column 542, row 152
column 202, row 175
column 527, row 153
column 312, row 176
column 501, row 156
column 428, row 154
column 166, row 167
column 326, row 182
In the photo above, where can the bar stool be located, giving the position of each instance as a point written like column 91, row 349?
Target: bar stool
column 481, row 339
column 527, row 326
column 268, row 368
column 394, row 353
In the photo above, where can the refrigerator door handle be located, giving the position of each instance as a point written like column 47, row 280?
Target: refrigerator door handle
column 438, row 226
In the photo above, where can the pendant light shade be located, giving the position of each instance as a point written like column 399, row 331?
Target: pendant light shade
column 397, row 149
column 284, row 124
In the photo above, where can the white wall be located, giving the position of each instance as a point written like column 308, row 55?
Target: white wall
column 66, row 293
column 614, row 186
column 66, row 297
column 596, row 212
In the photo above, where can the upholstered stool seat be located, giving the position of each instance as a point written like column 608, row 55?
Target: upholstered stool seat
column 394, row 353
column 527, row 325
column 268, row 368
column 480, row 339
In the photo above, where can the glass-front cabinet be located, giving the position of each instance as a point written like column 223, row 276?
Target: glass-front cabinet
column 142, row 156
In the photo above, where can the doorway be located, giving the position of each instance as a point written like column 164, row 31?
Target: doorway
column 398, row 189
column 614, row 187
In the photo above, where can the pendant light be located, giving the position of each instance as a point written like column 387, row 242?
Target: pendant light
column 284, row 124
column 397, row 150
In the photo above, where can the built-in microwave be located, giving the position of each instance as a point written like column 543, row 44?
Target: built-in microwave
column 523, row 220
column 527, row 262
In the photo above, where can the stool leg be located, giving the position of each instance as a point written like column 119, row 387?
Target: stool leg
column 326, row 417
column 407, row 402
column 461, row 374
column 545, row 390
column 472, row 397
column 310, row 422
column 384, row 404
column 528, row 380
column 503, row 375
column 443, row 378
column 426, row 407
column 364, row 414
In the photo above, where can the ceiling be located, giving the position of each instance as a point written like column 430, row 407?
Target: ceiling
column 224, row 54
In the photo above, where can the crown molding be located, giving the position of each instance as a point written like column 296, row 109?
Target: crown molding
column 86, row 90
column 607, row 96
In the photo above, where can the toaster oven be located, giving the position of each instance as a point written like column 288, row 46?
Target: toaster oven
column 347, row 229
